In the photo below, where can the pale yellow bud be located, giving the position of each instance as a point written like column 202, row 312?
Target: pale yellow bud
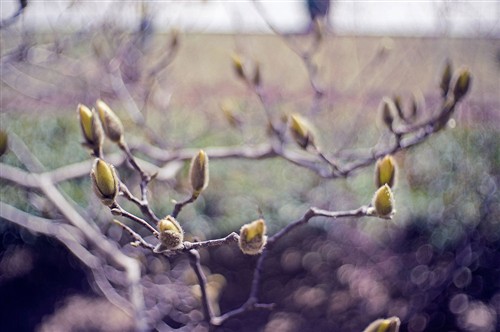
column 385, row 171
column 110, row 122
column 4, row 142
column 301, row 132
column 391, row 324
column 171, row 234
column 104, row 181
column 462, row 84
column 252, row 237
column 198, row 172
column 383, row 201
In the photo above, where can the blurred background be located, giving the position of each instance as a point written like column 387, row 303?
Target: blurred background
column 166, row 69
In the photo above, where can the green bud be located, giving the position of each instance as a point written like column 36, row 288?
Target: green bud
column 462, row 84
column 391, row 324
column 171, row 235
column 104, row 181
column 385, row 171
column 446, row 79
column 383, row 201
column 252, row 237
column 198, row 172
column 4, row 142
column 110, row 122
column 301, row 131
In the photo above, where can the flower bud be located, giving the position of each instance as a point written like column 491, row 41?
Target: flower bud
column 383, row 201
column 198, row 172
column 385, row 171
column 171, row 234
column 4, row 142
column 301, row 132
column 85, row 116
column 462, row 84
column 110, row 122
column 104, row 181
column 91, row 128
column 252, row 237
column 446, row 79
column 384, row 325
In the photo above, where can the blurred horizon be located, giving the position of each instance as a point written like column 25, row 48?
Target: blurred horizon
column 420, row 18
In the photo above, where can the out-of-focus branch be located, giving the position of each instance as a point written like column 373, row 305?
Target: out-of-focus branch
column 44, row 183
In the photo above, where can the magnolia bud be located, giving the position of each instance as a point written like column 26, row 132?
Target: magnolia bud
column 387, row 109
column 4, row 142
column 383, row 201
column 238, row 66
column 384, row 325
column 91, row 128
column 171, row 235
column 301, row 132
column 198, row 172
column 446, row 79
column 462, row 84
column 104, row 181
column 110, row 122
column 252, row 237
column 385, row 171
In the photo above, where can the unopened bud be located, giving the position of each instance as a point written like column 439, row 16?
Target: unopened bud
column 383, row 201
column 253, row 237
column 171, row 234
column 391, row 324
column 110, row 122
column 301, row 132
column 4, row 142
column 387, row 109
column 85, row 116
column 91, row 128
column 198, row 172
column 462, row 84
column 385, row 171
column 446, row 79
column 104, row 181
column 238, row 66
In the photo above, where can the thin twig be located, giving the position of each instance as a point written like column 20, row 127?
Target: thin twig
column 117, row 210
column 180, row 205
column 194, row 257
